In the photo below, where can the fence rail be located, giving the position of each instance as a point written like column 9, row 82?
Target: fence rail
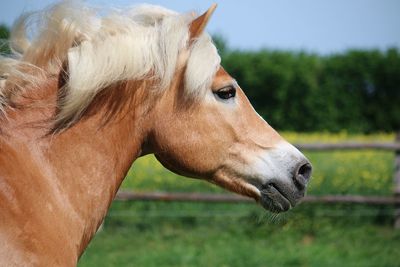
column 230, row 198
column 349, row 146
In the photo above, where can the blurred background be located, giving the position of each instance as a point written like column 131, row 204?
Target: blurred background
column 319, row 72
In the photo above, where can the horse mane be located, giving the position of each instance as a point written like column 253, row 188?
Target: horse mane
column 96, row 48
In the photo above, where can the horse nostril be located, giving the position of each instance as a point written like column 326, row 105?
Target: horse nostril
column 302, row 175
column 305, row 170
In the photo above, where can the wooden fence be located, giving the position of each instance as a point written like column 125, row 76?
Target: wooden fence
column 231, row 198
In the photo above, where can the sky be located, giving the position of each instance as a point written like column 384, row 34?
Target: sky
column 319, row 26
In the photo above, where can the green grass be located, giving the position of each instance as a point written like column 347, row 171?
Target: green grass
column 184, row 234
column 201, row 234
column 219, row 243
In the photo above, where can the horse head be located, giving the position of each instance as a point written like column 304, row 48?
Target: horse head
column 211, row 131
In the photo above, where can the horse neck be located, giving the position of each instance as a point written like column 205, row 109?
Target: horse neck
column 73, row 176
column 92, row 159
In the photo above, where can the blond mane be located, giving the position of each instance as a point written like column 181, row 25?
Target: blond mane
column 103, row 47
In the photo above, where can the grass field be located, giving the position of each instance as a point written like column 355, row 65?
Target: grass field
column 199, row 234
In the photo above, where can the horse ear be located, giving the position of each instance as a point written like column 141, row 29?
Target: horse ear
column 197, row 26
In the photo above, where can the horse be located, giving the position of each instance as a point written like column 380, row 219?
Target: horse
column 86, row 92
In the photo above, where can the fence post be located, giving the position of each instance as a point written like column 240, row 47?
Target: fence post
column 396, row 189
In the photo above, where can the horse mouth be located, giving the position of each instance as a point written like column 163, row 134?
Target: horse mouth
column 274, row 195
column 276, row 199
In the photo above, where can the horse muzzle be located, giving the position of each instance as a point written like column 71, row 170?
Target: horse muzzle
column 278, row 196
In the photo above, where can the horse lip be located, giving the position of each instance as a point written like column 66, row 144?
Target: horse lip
column 275, row 199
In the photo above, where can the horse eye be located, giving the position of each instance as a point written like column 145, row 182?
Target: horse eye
column 226, row 92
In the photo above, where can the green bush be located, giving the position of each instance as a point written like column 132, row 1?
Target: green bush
column 4, row 36
column 356, row 90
